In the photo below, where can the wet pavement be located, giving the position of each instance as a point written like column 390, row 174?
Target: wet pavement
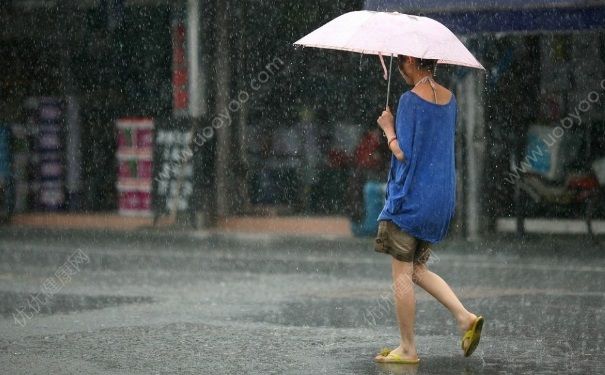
column 75, row 302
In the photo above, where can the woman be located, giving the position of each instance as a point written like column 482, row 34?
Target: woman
column 420, row 202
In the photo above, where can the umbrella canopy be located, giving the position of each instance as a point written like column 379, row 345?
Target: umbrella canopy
column 379, row 33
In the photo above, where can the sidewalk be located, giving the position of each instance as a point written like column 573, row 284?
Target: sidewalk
column 330, row 226
column 284, row 225
column 80, row 221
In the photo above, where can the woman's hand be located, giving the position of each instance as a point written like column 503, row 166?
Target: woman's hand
column 387, row 124
column 386, row 121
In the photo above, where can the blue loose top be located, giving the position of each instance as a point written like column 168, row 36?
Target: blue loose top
column 421, row 189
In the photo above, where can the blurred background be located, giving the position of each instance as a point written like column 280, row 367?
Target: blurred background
column 183, row 191
column 103, row 102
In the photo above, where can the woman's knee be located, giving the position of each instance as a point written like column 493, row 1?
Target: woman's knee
column 419, row 271
column 399, row 266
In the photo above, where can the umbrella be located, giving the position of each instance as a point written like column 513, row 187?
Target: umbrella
column 381, row 33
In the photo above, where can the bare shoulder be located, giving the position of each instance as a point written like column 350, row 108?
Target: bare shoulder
column 443, row 95
column 425, row 92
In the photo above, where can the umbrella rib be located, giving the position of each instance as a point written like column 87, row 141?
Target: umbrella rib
column 389, row 83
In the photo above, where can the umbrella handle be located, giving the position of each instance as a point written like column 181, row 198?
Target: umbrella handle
column 389, row 82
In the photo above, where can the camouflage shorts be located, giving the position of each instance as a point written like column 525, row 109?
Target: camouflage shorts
column 402, row 246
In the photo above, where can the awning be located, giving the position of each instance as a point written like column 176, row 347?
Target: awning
column 493, row 16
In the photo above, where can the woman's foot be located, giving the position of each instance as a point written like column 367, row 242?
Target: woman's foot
column 466, row 323
column 409, row 354
column 470, row 329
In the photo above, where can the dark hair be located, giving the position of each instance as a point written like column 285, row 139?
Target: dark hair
column 423, row 64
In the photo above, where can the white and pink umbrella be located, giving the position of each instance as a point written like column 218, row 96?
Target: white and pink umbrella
column 391, row 34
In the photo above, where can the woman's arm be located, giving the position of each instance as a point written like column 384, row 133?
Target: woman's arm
column 387, row 124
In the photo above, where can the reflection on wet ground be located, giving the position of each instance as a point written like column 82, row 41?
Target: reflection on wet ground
column 61, row 303
column 146, row 305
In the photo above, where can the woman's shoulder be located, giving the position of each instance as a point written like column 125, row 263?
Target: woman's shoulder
column 404, row 101
column 444, row 96
column 406, row 97
column 411, row 99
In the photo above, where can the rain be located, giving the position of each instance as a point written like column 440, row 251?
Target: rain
column 217, row 187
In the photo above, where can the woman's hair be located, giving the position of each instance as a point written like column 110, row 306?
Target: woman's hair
column 423, row 64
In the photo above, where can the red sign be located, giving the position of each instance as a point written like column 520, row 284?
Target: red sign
column 180, row 93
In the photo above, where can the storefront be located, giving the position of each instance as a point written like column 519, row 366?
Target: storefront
column 106, row 67
column 70, row 70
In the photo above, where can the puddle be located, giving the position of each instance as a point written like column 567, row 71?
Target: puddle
column 61, row 303
column 340, row 313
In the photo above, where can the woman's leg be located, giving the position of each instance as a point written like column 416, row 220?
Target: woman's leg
column 405, row 306
column 438, row 288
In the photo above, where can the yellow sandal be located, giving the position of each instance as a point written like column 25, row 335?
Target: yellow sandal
column 389, row 357
column 473, row 335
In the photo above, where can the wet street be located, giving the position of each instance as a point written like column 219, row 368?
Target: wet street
column 193, row 303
